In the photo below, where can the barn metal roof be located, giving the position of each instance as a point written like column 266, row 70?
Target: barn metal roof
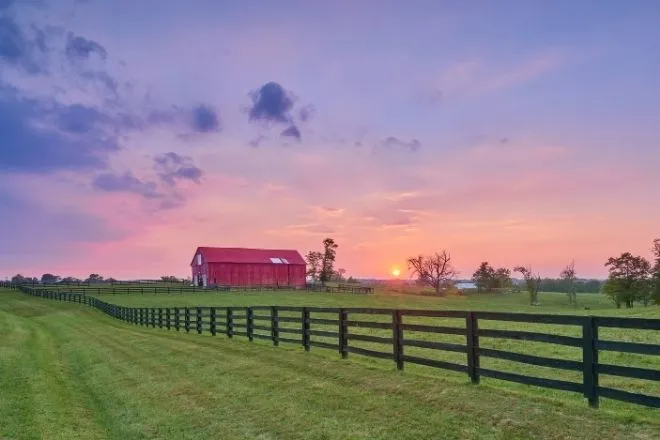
column 246, row 255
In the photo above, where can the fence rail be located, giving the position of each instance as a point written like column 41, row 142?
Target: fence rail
column 145, row 288
column 266, row 322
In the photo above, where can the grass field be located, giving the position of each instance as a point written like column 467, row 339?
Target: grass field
column 69, row 372
column 514, row 302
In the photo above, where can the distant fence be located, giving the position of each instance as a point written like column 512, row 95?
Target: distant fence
column 264, row 322
column 109, row 288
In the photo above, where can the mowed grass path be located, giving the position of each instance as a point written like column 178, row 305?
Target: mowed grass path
column 67, row 372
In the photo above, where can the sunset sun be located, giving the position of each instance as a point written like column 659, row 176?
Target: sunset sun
column 396, row 272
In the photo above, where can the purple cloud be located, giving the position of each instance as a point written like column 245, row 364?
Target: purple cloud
column 291, row 131
column 81, row 48
column 172, row 167
column 394, row 143
column 205, row 119
column 271, row 103
column 126, row 182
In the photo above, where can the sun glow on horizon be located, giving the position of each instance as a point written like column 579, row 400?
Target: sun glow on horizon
column 396, row 271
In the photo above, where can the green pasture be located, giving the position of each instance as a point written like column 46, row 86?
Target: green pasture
column 591, row 303
column 71, row 372
column 551, row 303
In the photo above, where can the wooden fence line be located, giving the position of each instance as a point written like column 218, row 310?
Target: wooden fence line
column 118, row 289
column 264, row 322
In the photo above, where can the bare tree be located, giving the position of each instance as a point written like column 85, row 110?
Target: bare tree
column 531, row 282
column 569, row 277
column 433, row 270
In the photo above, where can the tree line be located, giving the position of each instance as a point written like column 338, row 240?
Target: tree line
column 49, row 278
column 632, row 279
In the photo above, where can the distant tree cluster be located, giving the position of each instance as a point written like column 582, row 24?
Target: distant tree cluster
column 49, row 278
column 633, row 279
column 171, row 279
column 488, row 278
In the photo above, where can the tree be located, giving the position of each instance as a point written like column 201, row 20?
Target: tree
column 49, row 278
column 502, row 278
column 532, row 283
column 169, row 279
column 569, row 277
column 340, row 274
column 656, row 271
column 18, row 279
column 628, row 281
column 328, row 260
column 94, row 278
column 484, row 277
column 314, row 260
column 433, row 270
column 70, row 280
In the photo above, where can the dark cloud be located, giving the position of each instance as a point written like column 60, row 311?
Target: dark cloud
column 78, row 48
column 307, row 113
column 78, row 119
column 201, row 119
column 18, row 50
column 271, row 103
column 392, row 143
column 40, row 136
column 205, row 119
column 291, row 131
column 126, row 182
column 172, row 167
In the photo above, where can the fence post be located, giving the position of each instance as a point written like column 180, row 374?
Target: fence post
column 590, row 360
column 343, row 333
column 153, row 318
column 199, row 320
column 167, row 318
column 177, row 319
column 186, row 319
column 160, row 317
column 305, row 328
column 212, row 319
column 472, row 325
column 230, row 322
column 397, row 339
column 274, row 325
column 249, row 321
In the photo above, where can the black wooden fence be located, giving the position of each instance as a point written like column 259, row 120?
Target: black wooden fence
column 119, row 289
column 265, row 322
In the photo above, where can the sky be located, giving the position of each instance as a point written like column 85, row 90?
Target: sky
column 516, row 132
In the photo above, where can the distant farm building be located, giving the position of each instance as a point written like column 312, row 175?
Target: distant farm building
column 464, row 287
column 248, row 267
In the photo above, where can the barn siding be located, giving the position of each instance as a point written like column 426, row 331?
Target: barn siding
column 255, row 274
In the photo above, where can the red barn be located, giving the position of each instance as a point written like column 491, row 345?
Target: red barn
column 248, row 267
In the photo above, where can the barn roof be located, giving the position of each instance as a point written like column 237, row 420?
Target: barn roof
column 245, row 255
